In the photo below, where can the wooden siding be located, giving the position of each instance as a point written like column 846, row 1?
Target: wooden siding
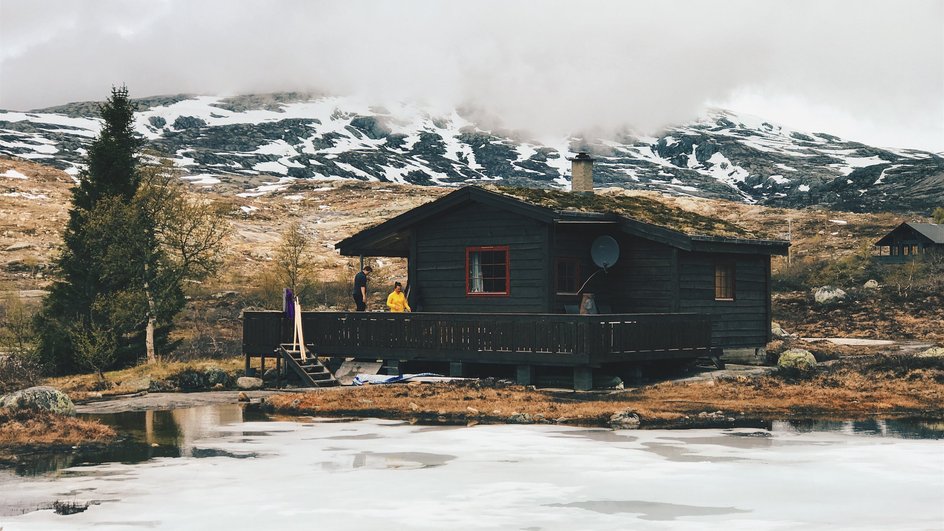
column 743, row 322
column 642, row 280
column 440, row 260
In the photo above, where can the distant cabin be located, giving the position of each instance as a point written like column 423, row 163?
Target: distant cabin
column 909, row 241
column 515, row 250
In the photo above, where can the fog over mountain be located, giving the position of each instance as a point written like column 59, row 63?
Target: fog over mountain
column 869, row 71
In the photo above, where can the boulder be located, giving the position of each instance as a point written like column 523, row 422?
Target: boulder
column 797, row 359
column 933, row 352
column 248, row 383
column 242, row 397
column 624, row 420
column 828, row 294
column 870, row 284
column 41, row 398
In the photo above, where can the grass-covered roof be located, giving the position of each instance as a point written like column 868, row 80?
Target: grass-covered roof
column 638, row 208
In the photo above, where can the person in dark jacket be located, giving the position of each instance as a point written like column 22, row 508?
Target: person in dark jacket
column 360, row 289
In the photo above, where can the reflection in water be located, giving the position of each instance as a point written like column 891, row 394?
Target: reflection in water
column 904, row 428
column 649, row 510
column 144, row 435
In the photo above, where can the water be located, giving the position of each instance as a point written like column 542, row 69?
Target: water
column 220, row 467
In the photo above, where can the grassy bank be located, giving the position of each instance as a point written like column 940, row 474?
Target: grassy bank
column 159, row 376
column 879, row 387
column 28, row 432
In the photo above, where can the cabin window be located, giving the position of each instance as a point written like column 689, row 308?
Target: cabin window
column 906, row 250
column 487, row 270
column 914, row 249
column 724, row 282
column 894, row 250
column 568, row 276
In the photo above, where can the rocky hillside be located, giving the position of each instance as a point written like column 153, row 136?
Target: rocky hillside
column 253, row 145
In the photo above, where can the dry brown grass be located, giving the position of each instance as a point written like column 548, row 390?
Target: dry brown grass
column 849, row 392
column 83, row 386
column 47, row 430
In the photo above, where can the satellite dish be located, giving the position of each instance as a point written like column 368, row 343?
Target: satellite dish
column 604, row 251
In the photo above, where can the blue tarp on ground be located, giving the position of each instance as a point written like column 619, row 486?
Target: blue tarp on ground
column 362, row 379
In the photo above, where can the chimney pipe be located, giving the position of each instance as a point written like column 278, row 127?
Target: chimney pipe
column 582, row 173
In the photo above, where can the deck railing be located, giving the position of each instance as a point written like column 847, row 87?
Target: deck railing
column 552, row 339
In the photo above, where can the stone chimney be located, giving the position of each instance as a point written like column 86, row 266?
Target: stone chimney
column 581, row 173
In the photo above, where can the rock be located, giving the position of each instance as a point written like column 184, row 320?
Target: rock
column 870, row 284
column 520, row 418
column 160, row 386
column 224, row 295
column 242, row 397
column 933, row 352
column 157, row 121
column 41, row 398
column 608, row 382
column 215, row 376
column 777, row 331
column 191, row 380
column 218, row 387
column 188, row 122
column 624, row 420
column 270, row 375
column 137, row 385
column 248, row 383
column 414, row 407
column 797, row 359
column 472, row 410
column 828, row 294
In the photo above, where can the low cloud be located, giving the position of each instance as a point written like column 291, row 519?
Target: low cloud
column 550, row 67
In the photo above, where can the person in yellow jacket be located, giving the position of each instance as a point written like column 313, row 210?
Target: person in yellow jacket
column 396, row 301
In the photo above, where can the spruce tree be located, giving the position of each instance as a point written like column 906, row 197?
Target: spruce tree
column 80, row 308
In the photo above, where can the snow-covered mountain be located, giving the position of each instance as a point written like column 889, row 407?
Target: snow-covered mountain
column 256, row 143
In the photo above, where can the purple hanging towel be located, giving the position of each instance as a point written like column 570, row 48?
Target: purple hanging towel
column 288, row 304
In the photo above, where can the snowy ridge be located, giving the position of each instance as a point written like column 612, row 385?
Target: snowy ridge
column 259, row 144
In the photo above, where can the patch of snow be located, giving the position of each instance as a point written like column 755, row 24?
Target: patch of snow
column 248, row 209
column 803, row 188
column 839, row 221
column 779, row 179
column 26, row 195
column 784, row 167
column 204, row 179
column 271, row 167
column 13, row 174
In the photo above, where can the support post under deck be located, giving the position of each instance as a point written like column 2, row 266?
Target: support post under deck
column 583, row 378
column 525, row 375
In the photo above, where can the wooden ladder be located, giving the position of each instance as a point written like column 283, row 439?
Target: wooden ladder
column 308, row 368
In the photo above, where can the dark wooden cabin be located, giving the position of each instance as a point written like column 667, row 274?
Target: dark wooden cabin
column 495, row 277
column 910, row 241
column 533, row 247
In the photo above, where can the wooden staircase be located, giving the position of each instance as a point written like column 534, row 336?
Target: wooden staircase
column 311, row 372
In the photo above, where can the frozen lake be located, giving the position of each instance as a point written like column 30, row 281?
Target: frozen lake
column 214, row 468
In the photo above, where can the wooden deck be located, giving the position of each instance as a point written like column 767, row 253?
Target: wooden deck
column 524, row 340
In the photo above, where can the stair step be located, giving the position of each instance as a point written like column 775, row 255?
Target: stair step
column 320, row 376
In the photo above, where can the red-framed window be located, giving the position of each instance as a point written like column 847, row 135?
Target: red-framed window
column 567, row 275
column 724, row 282
column 487, row 271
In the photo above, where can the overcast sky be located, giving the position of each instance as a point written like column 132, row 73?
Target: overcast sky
column 865, row 70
